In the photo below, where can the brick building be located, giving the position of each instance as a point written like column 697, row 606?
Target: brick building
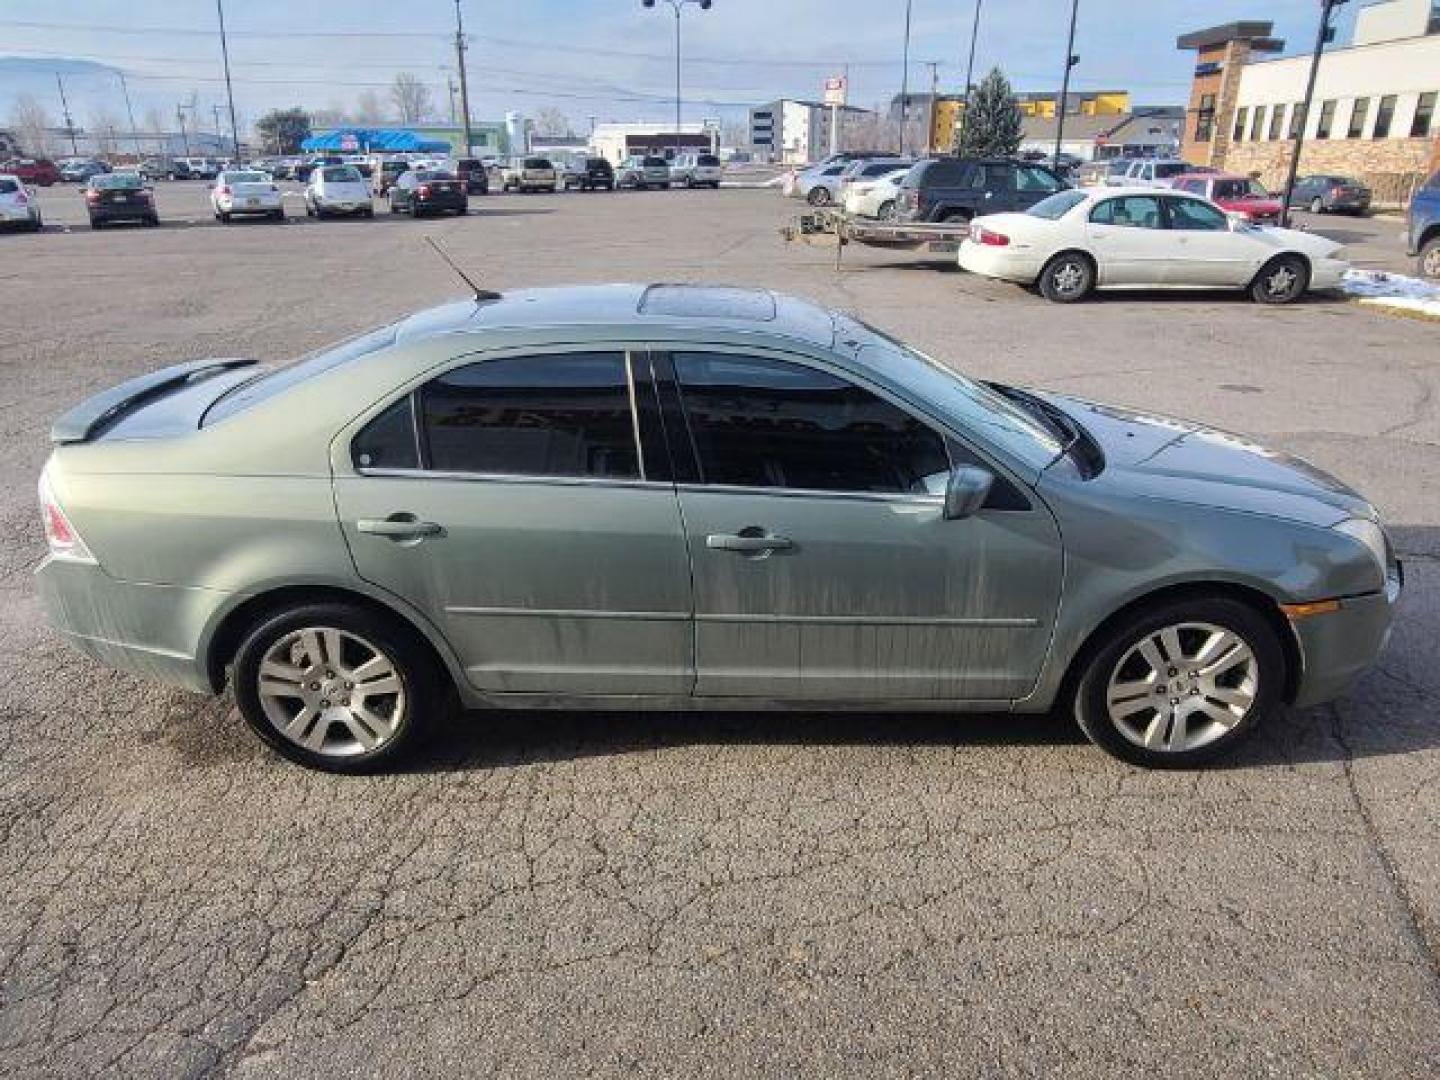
column 1373, row 116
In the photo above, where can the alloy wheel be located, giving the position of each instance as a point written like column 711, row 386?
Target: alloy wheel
column 331, row 692
column 1430, row 261
column 1281, row 281
column 1182, row 687
column 1068, row 277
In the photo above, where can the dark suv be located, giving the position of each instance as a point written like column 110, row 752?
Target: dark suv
column 589, row 173
column 957, row 189
column 473, row 172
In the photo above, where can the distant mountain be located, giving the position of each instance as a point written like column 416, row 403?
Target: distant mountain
column 88, row 84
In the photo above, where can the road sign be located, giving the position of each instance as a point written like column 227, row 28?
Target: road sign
column 835, row 88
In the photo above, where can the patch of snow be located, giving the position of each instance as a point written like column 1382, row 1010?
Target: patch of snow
column 1397, row 291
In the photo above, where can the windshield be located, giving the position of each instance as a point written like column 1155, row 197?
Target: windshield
column 117, row 182
column 974, row 406
column 1057, row 205
column 244, row 178
column 1240, row 189
column 341, row 173
column 1167, row 169
column 263, row 387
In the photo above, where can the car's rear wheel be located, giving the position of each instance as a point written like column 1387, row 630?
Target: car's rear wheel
column 1067, row 277
column 1429, row 261
column 954, row 217
column 1317, row 205
column 1281, row 281
column 818, row 196
column 335, row 687
column 1182, row 683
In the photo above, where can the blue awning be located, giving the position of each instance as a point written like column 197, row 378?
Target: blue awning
column 355, row 140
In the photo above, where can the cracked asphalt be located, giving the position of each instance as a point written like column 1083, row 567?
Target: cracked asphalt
column 735, row 895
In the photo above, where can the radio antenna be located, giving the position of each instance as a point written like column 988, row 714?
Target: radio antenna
column 480, row 294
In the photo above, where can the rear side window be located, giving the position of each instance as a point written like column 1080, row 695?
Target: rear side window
column 562, row 415
column 1174, row 168
column 763, row 423
column 388, row 441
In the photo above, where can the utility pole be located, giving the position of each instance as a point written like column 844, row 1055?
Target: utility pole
column 450, row 85
column 1070, row 61
column 930, row 113
column 1322, row 35
column 464, row 82
column 184, row 139
column 219, row 138
column 65, row 110
column 229, row 89
column 969, row 75
column 129, row 109
column 905, row 81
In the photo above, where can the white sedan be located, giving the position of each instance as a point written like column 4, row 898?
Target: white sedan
column 18, row 206
column 1127, row 238
column 338, row 189
column 245, row 191
column 874, row 197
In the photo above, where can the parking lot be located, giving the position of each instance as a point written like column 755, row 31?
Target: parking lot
column 658, row 894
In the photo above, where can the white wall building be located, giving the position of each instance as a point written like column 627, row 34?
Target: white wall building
column 790, row 131
column 615, row 142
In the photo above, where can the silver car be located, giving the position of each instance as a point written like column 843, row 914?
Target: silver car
column 682, row 497
column 643, row 171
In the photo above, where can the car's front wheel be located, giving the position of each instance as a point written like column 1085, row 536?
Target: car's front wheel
column 1282, row 281
column 1429, row 261
column 1067, row 277
column 335, row 687
column 1179, row 684
column 1317, row 205
column 818, row 196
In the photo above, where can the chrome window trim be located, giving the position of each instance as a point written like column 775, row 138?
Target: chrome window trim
column 906, row 497
column 514, row 478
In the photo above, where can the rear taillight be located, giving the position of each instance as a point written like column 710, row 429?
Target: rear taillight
column 20, row 199
column 92, row 197
column 64, row 541
column 989, row 237
column 223, row 189
column 1334, row 191
column 423, row 191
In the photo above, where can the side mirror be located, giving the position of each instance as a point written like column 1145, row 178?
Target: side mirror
column 967, row 491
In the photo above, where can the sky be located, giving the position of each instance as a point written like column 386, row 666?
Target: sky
column 607, row 59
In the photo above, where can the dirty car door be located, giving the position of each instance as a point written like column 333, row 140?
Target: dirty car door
column 824, row 568
column 507, row 500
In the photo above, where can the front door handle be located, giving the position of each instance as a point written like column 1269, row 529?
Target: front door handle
column 399, row 527
column 748, row 542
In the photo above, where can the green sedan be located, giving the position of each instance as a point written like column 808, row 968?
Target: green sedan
column 683, row 497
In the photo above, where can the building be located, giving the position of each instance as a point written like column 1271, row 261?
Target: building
column 1373, row 114
column 943, row 110
column 791, row 131
column 615, row 142
column 487, row 137
column 1149, row 131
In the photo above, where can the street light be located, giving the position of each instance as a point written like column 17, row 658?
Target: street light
column 676, row 5
column 1323, row 35
column 1070, row 61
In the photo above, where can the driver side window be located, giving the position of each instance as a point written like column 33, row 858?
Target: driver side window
column 1193, row 215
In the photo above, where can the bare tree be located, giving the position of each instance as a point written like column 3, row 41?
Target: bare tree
column 32, row 124
column 411, row 98
column 154, row 121
column 369, row 108
column 107, row 129
column 552, row 123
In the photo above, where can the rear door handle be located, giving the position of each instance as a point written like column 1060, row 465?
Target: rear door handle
column 748, row 544
column 399, row 527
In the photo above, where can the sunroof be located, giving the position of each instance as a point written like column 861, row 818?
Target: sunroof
column 708, row 302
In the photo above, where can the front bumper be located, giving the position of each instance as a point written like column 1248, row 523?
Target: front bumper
column 1337, row 648
column 1327, row 273
column 153, row 631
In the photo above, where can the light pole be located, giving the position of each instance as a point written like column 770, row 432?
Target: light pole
column 969, row 75
column 1070, row 61
column 676, row 6
column 905, row 81
column 65, row 109
column 460, row 48
column 134, row 134
column 1324, row 34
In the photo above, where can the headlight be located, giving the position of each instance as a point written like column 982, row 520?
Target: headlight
column 1373, row 537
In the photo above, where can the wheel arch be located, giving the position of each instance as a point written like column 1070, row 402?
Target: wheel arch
column 1259, row 601
column 224, row 641
column 1290, row 253
column 1086, row 255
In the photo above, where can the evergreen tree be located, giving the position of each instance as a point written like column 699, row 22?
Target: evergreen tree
column 991, row 122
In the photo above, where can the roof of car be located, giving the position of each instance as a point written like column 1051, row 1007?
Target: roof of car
column 645, row 307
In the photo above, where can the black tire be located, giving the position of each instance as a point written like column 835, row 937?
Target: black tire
column 422, row 687
column 1240, row 619
column 309, row 209
column 370, row 213
column 886, row 211
column 96, row 223
column 152, row 222
column 277, row 215
column 1428, row 263
column 1067, row 278
column 1282, row 280
column 35, row 225
column 1317, row 205
column 818, row 196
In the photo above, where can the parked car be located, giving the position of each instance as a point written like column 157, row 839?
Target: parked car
column 245, row 192
column 526, row 174
column 1422, row 227
column 588, row 174
column 284, row 168
column 78, row 172
column 818, row 185
column 119, row 196
column 196, row 168
column 18, row 207
column 1158, row 172
column 303, row 169
column 338, row 189
column 696, row 170
column 1149, row 238
column 866, row 169
column 834, row 518
column 875, row 197
column 643, row 172
column 38, row 171
column 1238, row 196
column 384, row 174
column 418, row 193
column 473, row 174
column 955, row 190
column 154, row 168
column 360, row 163
column 1093, row 173
column 1330, row 194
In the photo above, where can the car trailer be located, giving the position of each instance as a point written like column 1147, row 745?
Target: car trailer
column 847, row 229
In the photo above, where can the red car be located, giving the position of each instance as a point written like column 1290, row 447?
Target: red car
column 1234, row 194
column 41, row 171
